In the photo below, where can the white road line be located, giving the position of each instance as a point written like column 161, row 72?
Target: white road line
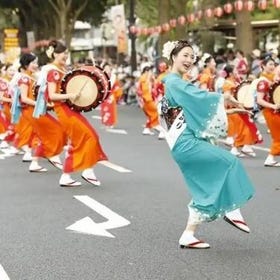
column 255, row 147
column 117, row 131
column 3, row 274
column 96, row 117
column 114, row 166
column 261, row 148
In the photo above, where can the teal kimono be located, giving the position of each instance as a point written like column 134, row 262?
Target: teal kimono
column 216, row 179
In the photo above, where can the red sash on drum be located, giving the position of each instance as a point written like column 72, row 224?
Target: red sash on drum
column 252, row 127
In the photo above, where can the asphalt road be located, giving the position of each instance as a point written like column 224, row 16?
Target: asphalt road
column 35, row 212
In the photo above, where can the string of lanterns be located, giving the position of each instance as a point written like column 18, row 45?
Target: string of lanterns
column 228, row 8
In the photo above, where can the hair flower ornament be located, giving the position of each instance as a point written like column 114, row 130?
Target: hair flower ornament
column 168, row 47
column 50, row 51
column 204, row 59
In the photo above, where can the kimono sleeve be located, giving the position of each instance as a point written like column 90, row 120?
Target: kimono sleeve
column 53, row 76
column 263, row 86
column 190, row 96
column 204, row 79
column 201, row 108
column 3, row 86
column 24, row 81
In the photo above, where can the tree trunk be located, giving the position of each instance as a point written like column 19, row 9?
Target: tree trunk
column 180, row 6
column 244, row 32
column 163, row 17
column 206, row 35
column 63, row 29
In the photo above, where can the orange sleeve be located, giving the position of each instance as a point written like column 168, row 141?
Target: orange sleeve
column 228, row 87
column 146, row 91
column 117, row 90
column 204, row 79
column 24, row 81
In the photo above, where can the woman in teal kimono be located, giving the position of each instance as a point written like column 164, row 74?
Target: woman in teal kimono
column 217, row 181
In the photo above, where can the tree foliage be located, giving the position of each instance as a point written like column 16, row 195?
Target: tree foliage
column 54, row 18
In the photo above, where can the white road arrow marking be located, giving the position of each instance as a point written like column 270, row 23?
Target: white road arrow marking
column 88, row 226
column 114, row 166
column 3, row 274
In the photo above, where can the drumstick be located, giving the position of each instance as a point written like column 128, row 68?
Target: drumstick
column 79, row 93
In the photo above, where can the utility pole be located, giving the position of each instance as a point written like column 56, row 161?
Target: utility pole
column 132, row 36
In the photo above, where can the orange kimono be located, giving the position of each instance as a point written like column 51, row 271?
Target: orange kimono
column 84, row 147
column 4, row 124
column 272, row 118
column 4, row 88
column 24, row 134
column 206, row 77
column 149, row 106
column 240, row 126
column 5, row 117
column 49, row 133
column 6, row 109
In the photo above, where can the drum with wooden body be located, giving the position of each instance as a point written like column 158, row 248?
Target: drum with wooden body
column 91, row 83
column 244, row 94
column 275, row 93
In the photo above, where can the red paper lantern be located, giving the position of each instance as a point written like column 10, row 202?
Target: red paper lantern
column 165, row 27
column 228, row 8
column 199, row 15
column 145, row 31
column 218, row 12
column 173, row 22
column 181, row 20
column 262, row 4
column 133, row 29
column 276, row 3
column 158, row 29
column 208, row 13
column 238, row 5
column 139, row 32
column 249, row 5
column 191, row 18
column 151, row 30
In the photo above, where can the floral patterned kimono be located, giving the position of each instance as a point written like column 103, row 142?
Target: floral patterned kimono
column 216, row 179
